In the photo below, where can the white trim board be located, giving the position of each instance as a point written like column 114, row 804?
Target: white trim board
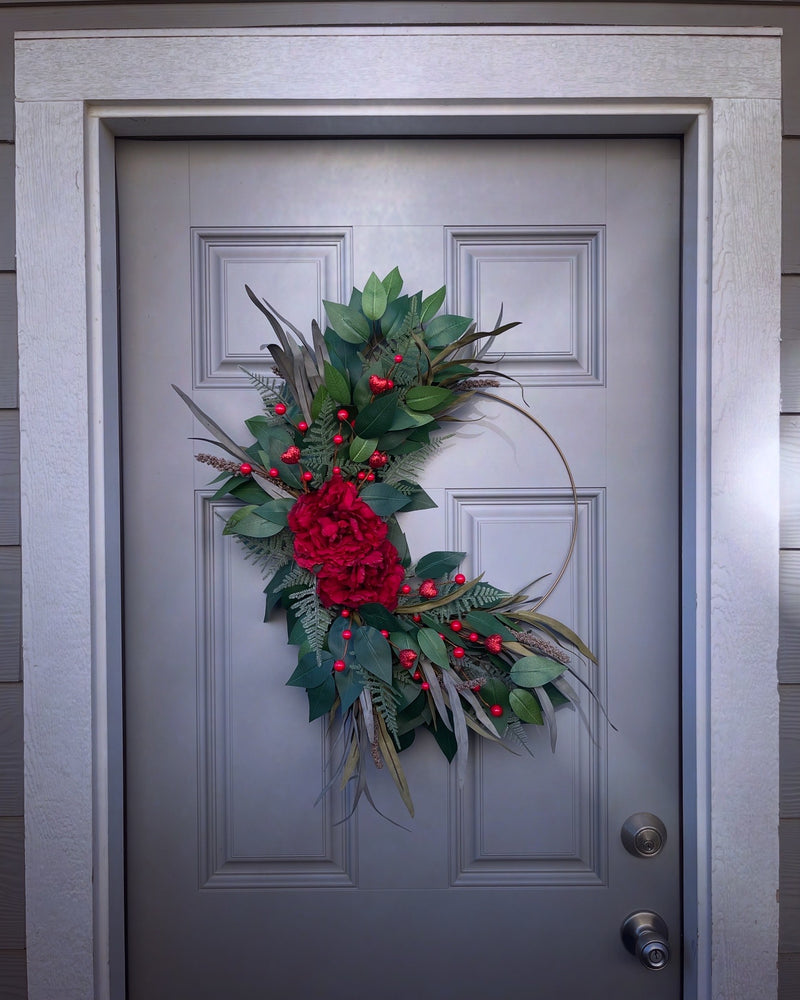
column 719, row 88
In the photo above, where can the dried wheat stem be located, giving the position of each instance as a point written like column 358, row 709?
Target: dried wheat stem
column 223, row 464
column 539, row 645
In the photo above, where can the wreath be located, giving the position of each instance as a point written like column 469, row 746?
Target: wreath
column 386, row 645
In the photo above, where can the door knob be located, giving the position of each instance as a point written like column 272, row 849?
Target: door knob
column 645, row 935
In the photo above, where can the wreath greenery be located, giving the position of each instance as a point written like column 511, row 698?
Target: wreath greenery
column 386, row 645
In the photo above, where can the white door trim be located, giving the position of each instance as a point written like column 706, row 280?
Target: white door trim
column 719, row 88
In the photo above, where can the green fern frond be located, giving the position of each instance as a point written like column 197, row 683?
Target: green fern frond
column 384, row 700
column 316, row 619
column 404, row 468
column 269, row 554
column 269, row 389
column 516, row 730
column 317, row 444
column 482, row 595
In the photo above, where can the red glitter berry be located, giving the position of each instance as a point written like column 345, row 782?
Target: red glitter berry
column 407, row 657
column 245, row 468
column 460, row 578
column 280, row 409
column 428, row 589
column 378, row 459
column 291, row 456
column 496, row 710
column 494, row 643
column 377, row 385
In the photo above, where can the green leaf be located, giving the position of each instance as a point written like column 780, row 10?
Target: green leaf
column 336, row 644
column 429, row 397
column 274, row 589
column 361, row 449
column 321, row 698
column 378, row 617
column 337, row 384
column 261, row 427
column 318, row 402
column 487, row 624
column 398, row 539
column 404, row 419
column 494, row 692
column 395, row 315
column 535, row 671
column 433, row 647
column 446, row 739
column 444, row 330
column 525, row 706
column 276, row 510
column 246, row 522
column 419, row 500
column 556, row 628
column 376, row 417
column 436, row 564
column 349, row 685
column 374, row 298
column 383, row 499
column 373, row 652
column 432, row 304
column 393, row 283
column 308, row 673
column 231, row 483
column 249, row 492
column 347, row 322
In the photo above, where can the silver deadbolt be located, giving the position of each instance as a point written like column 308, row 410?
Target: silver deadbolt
column 643, row 835
column 645, row 935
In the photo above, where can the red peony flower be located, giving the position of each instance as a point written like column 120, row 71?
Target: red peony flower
column 340, row 538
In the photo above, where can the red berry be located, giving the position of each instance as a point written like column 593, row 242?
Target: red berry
column 307, row 477
column 291, row 456
column 302, row 426
column 416, row 618
column 378, row 459
column 473, row 637
column 460, row 578
column 494, row 643
column 384, row 633
column 389, row 384
column 336, row 470
column 245, row 468
column 425, row 685
column 428, row 589
column 475, row 688
column 362, row 475
column 377, row 385
column 347, row 634
column 417, row 675
column 339, row 665
column 458, row 652
column 405, row 589
column 370, row 477
column 345, row 613
column 496, row 710
column 338, row 439
column 407, row 658
column 398, row 359
column 274, row 473
column 280, row 409
column 456, row 625
column 342, row 414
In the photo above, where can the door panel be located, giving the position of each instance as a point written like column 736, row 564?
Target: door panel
column 237, row 883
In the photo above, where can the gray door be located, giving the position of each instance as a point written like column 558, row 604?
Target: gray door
column 238, row 885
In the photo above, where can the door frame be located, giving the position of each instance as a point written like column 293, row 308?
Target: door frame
column 718, row 88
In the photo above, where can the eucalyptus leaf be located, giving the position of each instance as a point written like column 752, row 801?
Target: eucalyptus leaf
column 376, row 417
column 276, row 511
column 336, row 644
column 274, row 589
column 383, row 499
column 432, row 645
column 321, row 698
column 535, row 671
column 393, row 283
column 337, row 384
column 250, row 525
column 419, row 500
column 436, row 564
column 429, row 397
column 374, row 298
column 348, row 323
column 487, row 624
column 373, row 652
column 309, row 673
column 378, row 617
column 361, row 448
column 525, row 706
column 349, row 685
column 432, row 304
column 444, row 330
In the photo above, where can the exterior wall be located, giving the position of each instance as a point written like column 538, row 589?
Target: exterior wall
column 31, row 16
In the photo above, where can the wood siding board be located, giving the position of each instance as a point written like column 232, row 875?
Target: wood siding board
column 10, row 615
column 8, row 341
column 790, row 376
column 789, row 976
column 11, row 750
column 790, row 751
column 790, row 303
column 789, row 647
column 7, row 255
column 12, row 883
column 13, row 975
column 9, row 477
column 790, row 886
column 790, row 482
column 791, row 205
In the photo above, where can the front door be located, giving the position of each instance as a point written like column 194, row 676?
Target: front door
column 238, row 885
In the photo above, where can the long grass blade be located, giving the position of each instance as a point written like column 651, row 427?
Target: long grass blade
column 210, row 425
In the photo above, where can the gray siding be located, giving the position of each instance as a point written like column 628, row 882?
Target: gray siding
column 33, row 16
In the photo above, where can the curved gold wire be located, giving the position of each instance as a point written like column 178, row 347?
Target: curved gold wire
column 563, row 457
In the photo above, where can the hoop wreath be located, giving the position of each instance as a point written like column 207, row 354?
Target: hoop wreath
column 387, row 645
